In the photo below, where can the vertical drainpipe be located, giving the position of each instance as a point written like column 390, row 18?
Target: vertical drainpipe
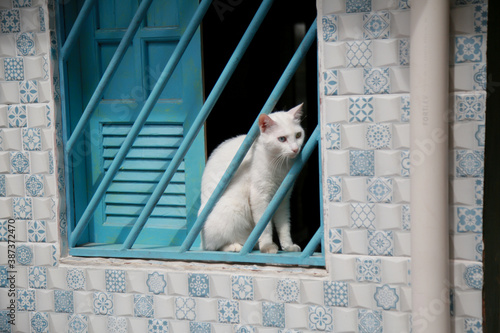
column 429, row 165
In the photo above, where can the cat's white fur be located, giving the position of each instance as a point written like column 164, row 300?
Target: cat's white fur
column 253, row 185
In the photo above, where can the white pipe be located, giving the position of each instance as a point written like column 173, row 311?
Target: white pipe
column 429, row 165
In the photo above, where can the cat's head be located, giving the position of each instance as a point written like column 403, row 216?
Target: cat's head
column 281, row 133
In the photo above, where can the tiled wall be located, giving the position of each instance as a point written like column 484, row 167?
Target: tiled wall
column 365, row 112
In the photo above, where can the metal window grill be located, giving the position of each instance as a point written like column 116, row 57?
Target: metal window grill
column 184, row 252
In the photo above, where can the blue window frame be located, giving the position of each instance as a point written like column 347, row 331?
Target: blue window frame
column 133, row 116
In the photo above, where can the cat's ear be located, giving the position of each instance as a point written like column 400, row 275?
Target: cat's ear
column 265, row 122
column 297, row 112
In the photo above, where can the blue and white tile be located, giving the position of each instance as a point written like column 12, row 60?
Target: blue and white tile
column 380, row 243
column 78, row 323
column 35, row 185
column 361, row 109
column 335, row 240
column 333, row 136
column 473, row 325
column 336, row 293
column 387, row 297
column 25, row 44
column 144, row 306
column 481, row 18
column 32, row 139
column 103, row 303
column 469, row 49
column 273, row 314
column 334, row 188
column 405, row 108
column 370, row 321
column 199, row 285
column 361, row 162
column 330, row 82
column 64, row 301
column 470, row 106
column 17, row 116
column 37, row 231
column 228, row 311
column 368, row 269
column 156, row 283
column 117, row 324
column 379, row 190
column 362, row 215
column 379, row 136
column 244, row 329
column 3, row 186
column 28, row 91
column 200, row 327
column 75, row 279
column 115, row 281
column 478, row 248
column 21, row 3
column 473, row 276
column 376, row 25
column 376, row 80
column 320, row 318
column 22, row 208
column 37, row 277
column 404, row 52
column 242, row 287
column 469, row 163
column 479, row 191
column 479, row 77
column 158, row 326
column 358, row 6
column 469, row 219
column 359, row 54
column 26, row 300
column 19, row 162
column 288, row 290
column 185, row 308
column 480, row 135
column 330, row 28
column 10, row 21
column 39, row 322
column 13, row 69
column 406, row 217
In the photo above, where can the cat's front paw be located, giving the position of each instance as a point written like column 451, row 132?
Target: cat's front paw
column 292, row 248
column 269, row 248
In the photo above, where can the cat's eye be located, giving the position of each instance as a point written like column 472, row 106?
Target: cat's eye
column 282, row 138
column 298, row 135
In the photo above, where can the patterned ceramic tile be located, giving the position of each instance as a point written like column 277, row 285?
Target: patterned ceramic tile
column 32, row 139
column 370, row 321
column 468, row 49
column 185, row 308
column 4, row 282
column 13, row 69
column 3, row 187
column 406, row 217
column 157, row 326
column 380, row 243
column 481, row 18
column 199, row 285
column 242, row 287
column 470, row 107
column 334, row 187
column 117, row 325
column 379, row 136
column 10, row 21
column 19, row 162
column 143, row 306
column 379, row 189
column 39, row 322
column 196, row 327
column 28, row 91
column 386, row 297
column 75, row 278
column 4, row 321
column 362, row 215
column 244, row 329
column 103, row 303
column 21, row 3
column 404, row 4
column 480, row 135
column 23, row 208
column 479, row 77
column 405, row 163
column 335, row 240
column 336, row 293
column 228, row 311
column 41, row 15
column 473, row 276
column 330, row 78
column 478, row 249
column 37, row 231
column 469, row 163
column 115, row 281
column 34, row 185
column 470, row 219
column 273, row 314
column 361, row 162
column 359, row 54
column 332, row 136
column 16, row 115
column 472, row 325
column 24, row 255
column 78, row 323
column 288, row 290
column 405, row 108
column 25, row 44
column 26, row 300
column 63, row 300
column 37, row 277
column 404, row 52
column 358, row 6
column 376, row 25
column 368, row 269
column 330, row 28
column 479, row 191
column 376, row 81
column 156, row 283
column 320, row 318
column 361, row 109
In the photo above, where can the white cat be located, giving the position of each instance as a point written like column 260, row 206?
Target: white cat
column 253, row 185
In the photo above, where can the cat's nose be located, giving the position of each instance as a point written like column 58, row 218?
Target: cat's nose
column 295, row 150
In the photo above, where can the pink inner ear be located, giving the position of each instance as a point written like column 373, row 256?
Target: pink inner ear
column 265, row 122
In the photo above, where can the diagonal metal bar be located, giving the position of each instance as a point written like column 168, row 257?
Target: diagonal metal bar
column 77, row 28
column 313, row 243
column 108, row 74
column 198, row 122
column 252, row 134
column 141, row 120
column 280, row 194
